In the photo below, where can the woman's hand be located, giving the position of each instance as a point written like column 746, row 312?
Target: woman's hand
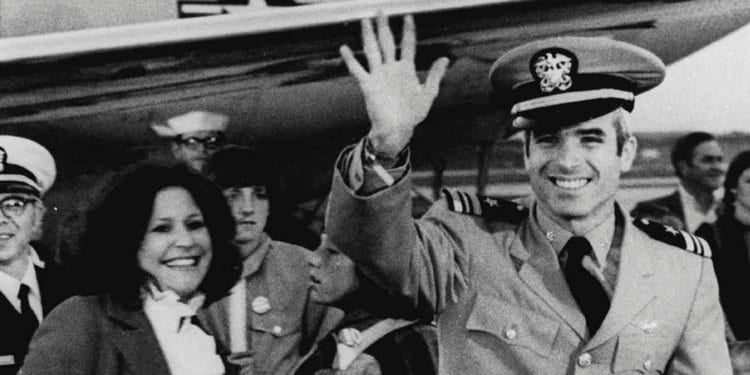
column 395, row 99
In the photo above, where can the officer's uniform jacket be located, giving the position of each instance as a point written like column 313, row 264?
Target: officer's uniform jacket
column 287, row 324
column 502, row 302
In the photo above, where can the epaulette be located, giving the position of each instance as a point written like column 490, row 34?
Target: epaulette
column 480, row 205
column 683, row 240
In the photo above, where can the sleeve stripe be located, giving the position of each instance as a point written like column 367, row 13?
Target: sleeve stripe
column 689, row 244
column 449, row 199
column 706, row 246
column 475, row 201
column 465, row 198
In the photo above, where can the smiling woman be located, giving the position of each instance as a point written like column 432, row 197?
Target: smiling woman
column 156, row 249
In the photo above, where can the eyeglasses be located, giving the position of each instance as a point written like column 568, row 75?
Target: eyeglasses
column 194, row 143
column 13, row 207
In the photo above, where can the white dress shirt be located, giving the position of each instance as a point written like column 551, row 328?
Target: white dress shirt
column 10, row 286
column 187, row 348
column 694, row 217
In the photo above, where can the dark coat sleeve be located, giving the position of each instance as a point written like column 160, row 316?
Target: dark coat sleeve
column 68, row 341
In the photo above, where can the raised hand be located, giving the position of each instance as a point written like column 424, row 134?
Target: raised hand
column 395, row 99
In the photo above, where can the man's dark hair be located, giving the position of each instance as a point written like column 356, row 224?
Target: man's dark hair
column 684, row 148
column 237, row 166
column 117, row 225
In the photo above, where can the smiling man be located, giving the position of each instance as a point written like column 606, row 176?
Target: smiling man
column 570, row 285
column 698, row 162
column 29, row 287
column 195, row 136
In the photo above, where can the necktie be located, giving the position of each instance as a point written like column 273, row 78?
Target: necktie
column 586, row 289
column 28, row 318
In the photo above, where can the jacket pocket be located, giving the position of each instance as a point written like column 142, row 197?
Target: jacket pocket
column 513, row 325
column 642, row 352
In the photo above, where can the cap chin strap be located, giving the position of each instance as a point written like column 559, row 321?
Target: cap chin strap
column 570, row 97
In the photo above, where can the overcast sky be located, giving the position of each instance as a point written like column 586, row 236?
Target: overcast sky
column 708, row 90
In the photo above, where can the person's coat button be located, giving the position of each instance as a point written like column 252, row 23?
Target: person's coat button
column 584, row 360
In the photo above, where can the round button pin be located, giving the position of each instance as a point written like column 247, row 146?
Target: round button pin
column 584, row 360
column 648, row 365
column 261, row 305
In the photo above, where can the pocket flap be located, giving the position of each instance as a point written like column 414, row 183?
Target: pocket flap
column 513, row 325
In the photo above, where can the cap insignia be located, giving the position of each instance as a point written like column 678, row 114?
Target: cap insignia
column 3, row 159
column 554, row 68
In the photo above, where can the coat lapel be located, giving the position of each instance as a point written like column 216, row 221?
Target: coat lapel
column 634, row 288
column 540, row 270
column 51, row 287
column 136, row 341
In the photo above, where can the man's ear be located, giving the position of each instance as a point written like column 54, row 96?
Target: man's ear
column 628, row 153
column 176, row 151
column 682, row 167
column 526, row 145
column 38, row 228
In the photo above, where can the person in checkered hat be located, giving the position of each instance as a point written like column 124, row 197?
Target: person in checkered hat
column 570, row 285
column 29, row 287
column 195, row 136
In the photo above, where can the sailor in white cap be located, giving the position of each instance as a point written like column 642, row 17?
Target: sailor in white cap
column 29, row 287
column 195, row 136
column 570, row 285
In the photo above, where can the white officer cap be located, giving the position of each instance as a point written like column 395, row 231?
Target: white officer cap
column 192, row 122
column 25, row 166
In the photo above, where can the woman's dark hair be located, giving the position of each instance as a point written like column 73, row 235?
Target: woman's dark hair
column 117, row 225
column 739, row 164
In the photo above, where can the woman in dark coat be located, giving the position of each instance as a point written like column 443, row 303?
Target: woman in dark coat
column 156, row 249
column 732, row 259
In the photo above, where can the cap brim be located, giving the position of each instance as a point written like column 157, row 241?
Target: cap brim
column 10, row 187
column 565, row 115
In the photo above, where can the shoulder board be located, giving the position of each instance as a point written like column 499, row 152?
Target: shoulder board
column 480, row 205
column 683, row 240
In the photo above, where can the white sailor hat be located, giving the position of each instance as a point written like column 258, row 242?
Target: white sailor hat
column 192, row 122
column 573, row 78
column 25, row 166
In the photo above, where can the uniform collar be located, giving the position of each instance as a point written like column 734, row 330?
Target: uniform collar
column 694, row 216
column 252, row 262
column 600, row 237
column 9, row 286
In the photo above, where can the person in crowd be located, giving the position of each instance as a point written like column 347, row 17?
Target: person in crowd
column 158, row 248
column 29, row 287
column 699, row 164
column 570, row 285
column 268, row 322
column 732, row 264
column 374, row 337
column 194, row 136
column 733, row 232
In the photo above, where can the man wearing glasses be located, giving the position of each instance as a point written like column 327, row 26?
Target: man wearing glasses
column 29, row 288
column 195, row 136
